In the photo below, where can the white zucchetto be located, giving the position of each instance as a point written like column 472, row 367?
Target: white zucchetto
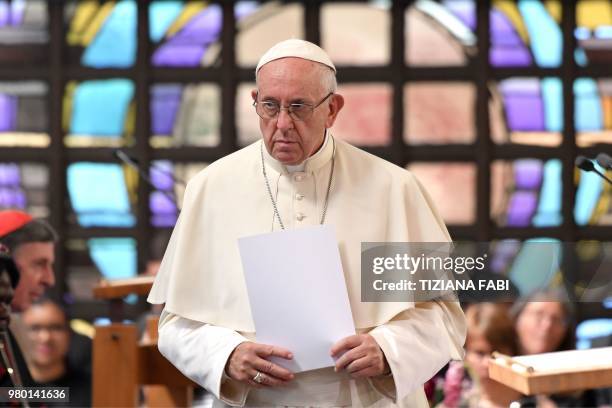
column 297, row 49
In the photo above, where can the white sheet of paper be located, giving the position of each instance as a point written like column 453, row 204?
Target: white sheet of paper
column 297, row 293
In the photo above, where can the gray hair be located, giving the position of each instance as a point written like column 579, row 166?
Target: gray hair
column 327, row 75
column 33, row 231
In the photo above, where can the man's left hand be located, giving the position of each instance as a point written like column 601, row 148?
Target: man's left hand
column 362, row 356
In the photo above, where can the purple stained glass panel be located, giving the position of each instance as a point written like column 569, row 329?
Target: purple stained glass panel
column 17, row 11
column 161, row 175
column 187, row 47
column 509, row 56
column 524, row 112
column 4, row 13
column 521, row 208
column 502, row 31
column 464, row 11
column 8, row 112
column 163, row 220
column 12, row 198
column 165, row 102
column 204, row 28
column 523, row 104
column 161, row 204
column 9, row 175
column 528, row 174
column 507, row 47
column 178, row 55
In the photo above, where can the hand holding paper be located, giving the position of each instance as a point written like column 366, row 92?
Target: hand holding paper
column 362, row 356
column 297, row 294
column 249, row 358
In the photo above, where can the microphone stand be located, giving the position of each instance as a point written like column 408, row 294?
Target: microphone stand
column 586, row 164
column 128, row 160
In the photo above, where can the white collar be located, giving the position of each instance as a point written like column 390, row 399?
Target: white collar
column 313, row 163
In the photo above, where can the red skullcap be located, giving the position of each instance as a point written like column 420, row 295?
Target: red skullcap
column 12, row 220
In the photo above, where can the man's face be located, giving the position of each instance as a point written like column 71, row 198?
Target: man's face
column 34, row 261
column 48, row 333
column 295, row 80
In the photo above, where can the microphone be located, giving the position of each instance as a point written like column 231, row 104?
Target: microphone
column 123, row 157
column 604, row 161
column 587, row 165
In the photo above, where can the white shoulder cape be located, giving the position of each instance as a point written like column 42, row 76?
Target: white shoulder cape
column 371, row 200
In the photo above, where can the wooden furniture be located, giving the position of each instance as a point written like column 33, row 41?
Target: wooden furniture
column 123, row 363
column 559, row 372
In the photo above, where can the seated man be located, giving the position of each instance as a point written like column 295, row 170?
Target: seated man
column 31, row 245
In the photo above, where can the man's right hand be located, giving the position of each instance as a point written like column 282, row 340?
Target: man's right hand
column 249, row 358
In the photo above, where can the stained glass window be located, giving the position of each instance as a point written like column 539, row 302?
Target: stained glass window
column 90, row 260
column 362, row 103
column 593, row 32
column 531, row 111
column 185, row 34
column 185, row 115
column 356, row 34
column 169, row 180
column 593, row 111
column 444, row 180
column 24, row 186
column 23, row 32
column 102, row 34
column 108, row 202
column 261, row 26
column 526, row 192
column 440, row 34
column 23, row 114
column 593, row 199
column 99, row 113
column 439, row 113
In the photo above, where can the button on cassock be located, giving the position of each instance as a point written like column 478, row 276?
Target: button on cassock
column 300, row 216
column 298, row 177
column 299, row 196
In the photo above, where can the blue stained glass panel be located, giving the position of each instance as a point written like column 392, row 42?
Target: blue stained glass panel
column 549, row 206
column 115, row 44
column 98, row 195
column 100, row 107
column 588, row 194
column 544, row 33
column 552, row 95
column 588, row 114
column 161, row 16
column 114, row 257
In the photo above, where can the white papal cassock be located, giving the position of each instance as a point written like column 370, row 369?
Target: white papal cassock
column 207, row 311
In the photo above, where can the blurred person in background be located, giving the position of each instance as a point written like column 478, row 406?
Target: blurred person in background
column 545, row 323
column 467, row 384
column 49, row 334
column 30, row 245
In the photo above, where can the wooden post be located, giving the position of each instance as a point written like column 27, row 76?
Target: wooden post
column 115, row 366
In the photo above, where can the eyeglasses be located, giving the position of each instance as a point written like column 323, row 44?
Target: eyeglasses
column 298, row 111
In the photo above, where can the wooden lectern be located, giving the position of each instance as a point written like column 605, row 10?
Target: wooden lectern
column 122, row 363
column 557, row 372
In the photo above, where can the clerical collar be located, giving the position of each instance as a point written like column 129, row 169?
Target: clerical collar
column 313, row 163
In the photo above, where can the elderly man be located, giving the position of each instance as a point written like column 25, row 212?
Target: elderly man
column 31, row 244
column 300, row 175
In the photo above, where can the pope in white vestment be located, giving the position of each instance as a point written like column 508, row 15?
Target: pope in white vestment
column 207, row 313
